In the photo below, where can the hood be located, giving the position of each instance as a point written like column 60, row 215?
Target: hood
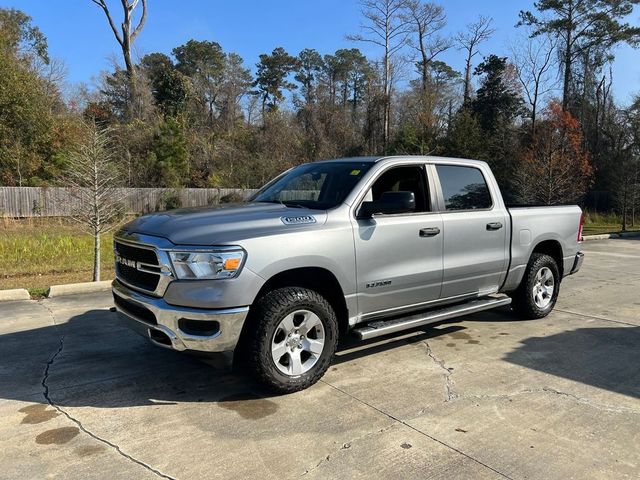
column 221, row 224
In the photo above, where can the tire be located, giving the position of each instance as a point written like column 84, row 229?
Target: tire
column 533, row 298
column 292, row 337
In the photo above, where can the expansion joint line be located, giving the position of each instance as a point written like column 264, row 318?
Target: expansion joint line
column 420, row 432
column 47, row 396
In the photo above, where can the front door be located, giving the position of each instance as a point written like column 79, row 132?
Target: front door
column 399, row 257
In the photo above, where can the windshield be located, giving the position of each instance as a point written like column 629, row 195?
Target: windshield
column 319, row 186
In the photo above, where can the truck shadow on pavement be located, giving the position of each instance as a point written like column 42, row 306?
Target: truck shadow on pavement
column 607, row 358
column 93, row 360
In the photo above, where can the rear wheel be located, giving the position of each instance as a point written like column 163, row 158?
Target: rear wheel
column 537, row 294
column 293, row 338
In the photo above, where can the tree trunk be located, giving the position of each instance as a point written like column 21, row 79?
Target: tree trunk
column 624, row 210
column 387, row 101
column 567, row 62
column 467, row 78
column 424, row 67
column 96, row 256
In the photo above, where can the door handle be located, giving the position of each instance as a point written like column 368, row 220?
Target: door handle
column 494, row 226
column 429, row 232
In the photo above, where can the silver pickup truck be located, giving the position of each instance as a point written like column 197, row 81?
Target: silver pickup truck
column 364, row 246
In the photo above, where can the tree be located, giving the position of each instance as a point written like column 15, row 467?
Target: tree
column 468, row 41
column 533, row 63
column 497, row 101
column 33, row 128
column 426, row 20
column 555, row 169
column 387, row 27
column 582, row 25
column 235, row 85
column 127, row 34
column 464, row 138
column 203, row 62
column 169, row 87
column 271, row 77
column 351, row 71
column 310, row 65
column 93, row 176
column 19, row 37
column 170, row 156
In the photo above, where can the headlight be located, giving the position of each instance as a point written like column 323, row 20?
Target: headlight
column 207, row 265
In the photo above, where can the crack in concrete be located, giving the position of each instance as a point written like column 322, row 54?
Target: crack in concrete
column 586, row 401
column 50, row 401
column 450, row 393
column 545, row 390
column 420, row 432
column 49, row 311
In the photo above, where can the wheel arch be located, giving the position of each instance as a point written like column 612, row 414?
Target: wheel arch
column 318, row 279
column 553, row 248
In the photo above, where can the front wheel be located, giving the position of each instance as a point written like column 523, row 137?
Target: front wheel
column 538, row 292
column 293, row 338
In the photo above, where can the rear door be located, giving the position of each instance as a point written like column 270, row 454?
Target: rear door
column 399, row 257
column 475, row 225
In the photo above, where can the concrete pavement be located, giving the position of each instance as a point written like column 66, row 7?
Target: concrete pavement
column 487, row 396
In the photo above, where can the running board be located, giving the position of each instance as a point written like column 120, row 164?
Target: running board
column 384, row 327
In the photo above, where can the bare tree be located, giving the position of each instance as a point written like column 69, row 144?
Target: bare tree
column 469, row 40
column 127, row 34
column 386, row 26
column 92, row 177
column 426, row 20
column 534, row 61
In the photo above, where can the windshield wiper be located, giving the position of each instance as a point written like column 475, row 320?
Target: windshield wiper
column 293, row 205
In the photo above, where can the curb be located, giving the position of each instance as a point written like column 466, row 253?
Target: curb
column 74, row 288
column 14, row 294
column 604, row 236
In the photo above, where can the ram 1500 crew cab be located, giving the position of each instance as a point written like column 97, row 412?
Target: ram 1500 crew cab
column 360, row 246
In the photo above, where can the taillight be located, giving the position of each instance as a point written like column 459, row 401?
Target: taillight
column 580, row 227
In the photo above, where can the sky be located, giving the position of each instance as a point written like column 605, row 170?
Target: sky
column 78, row 32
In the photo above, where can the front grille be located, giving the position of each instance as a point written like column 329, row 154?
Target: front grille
column 138, row 311
column 137, row 278
column 130, row 274
column 138, row 254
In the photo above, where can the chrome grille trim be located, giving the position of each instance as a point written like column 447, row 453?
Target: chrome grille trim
column 163, row 267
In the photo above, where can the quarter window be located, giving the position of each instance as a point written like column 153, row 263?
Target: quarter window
column 463, row 188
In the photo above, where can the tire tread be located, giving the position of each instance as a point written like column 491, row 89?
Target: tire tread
column 268, row 310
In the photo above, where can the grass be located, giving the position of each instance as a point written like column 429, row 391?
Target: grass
column 596, row 222
column 38, row 253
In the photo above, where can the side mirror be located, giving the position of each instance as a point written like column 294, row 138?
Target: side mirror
column 389, row 203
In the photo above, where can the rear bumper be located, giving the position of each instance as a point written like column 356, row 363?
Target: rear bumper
column 577, row 263
column 180, row 328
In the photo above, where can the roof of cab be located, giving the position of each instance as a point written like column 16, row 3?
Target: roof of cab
column 427, row 158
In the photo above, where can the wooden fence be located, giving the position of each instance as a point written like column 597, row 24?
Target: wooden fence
column 18, row 202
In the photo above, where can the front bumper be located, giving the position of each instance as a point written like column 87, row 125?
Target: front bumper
column 577, row 263
column 180, row 328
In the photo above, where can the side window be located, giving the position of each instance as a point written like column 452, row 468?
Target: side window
column 463, row 188
column 402, row 179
